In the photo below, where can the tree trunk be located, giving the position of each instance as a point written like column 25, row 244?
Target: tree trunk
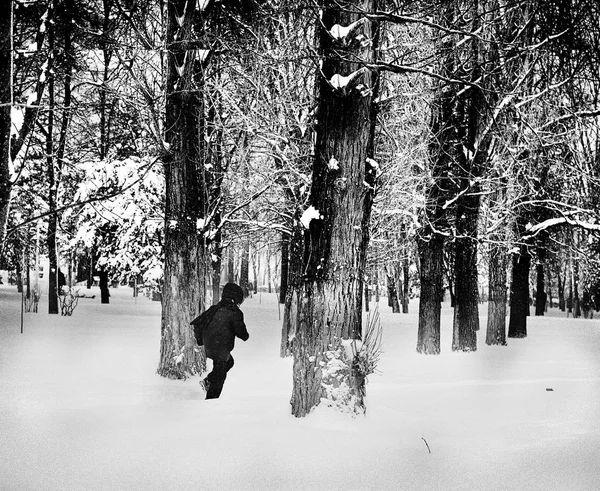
column 540, row 290
column 432, row 293
column 230, row 264
column 183, row 291
column 466, row 310
column 288, row 330
column 245, row 269
column 107, row 50
column 405, row 286
column 6, row 77
column 519, row 295
column 392, row 290
column 496, row 323
column 285, row 261
column 103, row 283
column 328, row 301
column 430, row 238
column 576, row 301
column 561, row 281
column 52, row 184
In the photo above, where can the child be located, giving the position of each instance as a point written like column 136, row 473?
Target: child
column 225, row 322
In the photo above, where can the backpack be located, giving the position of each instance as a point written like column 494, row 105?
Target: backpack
column 202, row 321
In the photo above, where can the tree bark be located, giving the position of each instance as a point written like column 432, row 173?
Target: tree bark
column 6, row 50
column 466, row 310
column 432, row 293
column 52, row 182
column 540, row 290
column 496, row 323
column 103, row 284
column 285, row 261
column 519, row 294
column 183, row 291
column 405, row 285
column 328, row 299
column 230, row 264
column 245, row 269
column 431, row 237
column 392, row 289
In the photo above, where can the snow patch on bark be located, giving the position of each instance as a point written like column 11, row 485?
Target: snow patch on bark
column 310, row 214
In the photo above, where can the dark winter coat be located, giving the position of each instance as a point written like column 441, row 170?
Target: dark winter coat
column 220, row 332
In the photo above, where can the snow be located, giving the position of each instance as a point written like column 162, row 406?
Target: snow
column 81, row 407
column 339, row 81
column 340, row 32
column 311, row 213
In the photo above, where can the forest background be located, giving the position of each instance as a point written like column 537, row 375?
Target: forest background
column 435, row 148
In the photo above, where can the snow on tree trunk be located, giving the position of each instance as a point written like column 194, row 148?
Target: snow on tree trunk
column 328, row 303
column 185, row 258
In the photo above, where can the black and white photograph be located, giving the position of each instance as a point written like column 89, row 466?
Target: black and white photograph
column 311, row 245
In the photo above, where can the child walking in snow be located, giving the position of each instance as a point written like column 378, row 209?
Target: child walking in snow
column 217, row 329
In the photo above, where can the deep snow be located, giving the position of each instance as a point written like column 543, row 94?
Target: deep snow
column 81, row 408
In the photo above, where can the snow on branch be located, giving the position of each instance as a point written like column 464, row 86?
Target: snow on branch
column 346, row 83
column 533, row 230
column 343, row 34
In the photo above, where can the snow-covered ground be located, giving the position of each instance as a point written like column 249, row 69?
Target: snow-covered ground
column 81, row 408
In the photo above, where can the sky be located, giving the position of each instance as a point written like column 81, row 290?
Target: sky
column 82, row 408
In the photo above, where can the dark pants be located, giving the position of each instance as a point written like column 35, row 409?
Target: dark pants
column 216, row 378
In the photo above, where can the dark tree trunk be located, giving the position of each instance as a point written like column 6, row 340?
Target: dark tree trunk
column 430, row 238
column 52, row 185
column 377, row 284
column 288, row 330
column 432, row 293
column 496, row 323
column 103, row 283
column 107, row 49
column 230, row 264
column 216, row 263
column 185, row 265
column 328, row 301
column 405, row 286
column 6, row 50
column 471, row 159
column 540, row 290
column 466, row 311
column 519, row 295
column 392, row 290
column 561, row 281
column 576, row 301
column 367, row 295
column 245, row 269
column 285, row 262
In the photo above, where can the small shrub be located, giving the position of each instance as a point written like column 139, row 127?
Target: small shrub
column 67, row 300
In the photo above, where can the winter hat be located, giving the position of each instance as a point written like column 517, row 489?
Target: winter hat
column 234, row 292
